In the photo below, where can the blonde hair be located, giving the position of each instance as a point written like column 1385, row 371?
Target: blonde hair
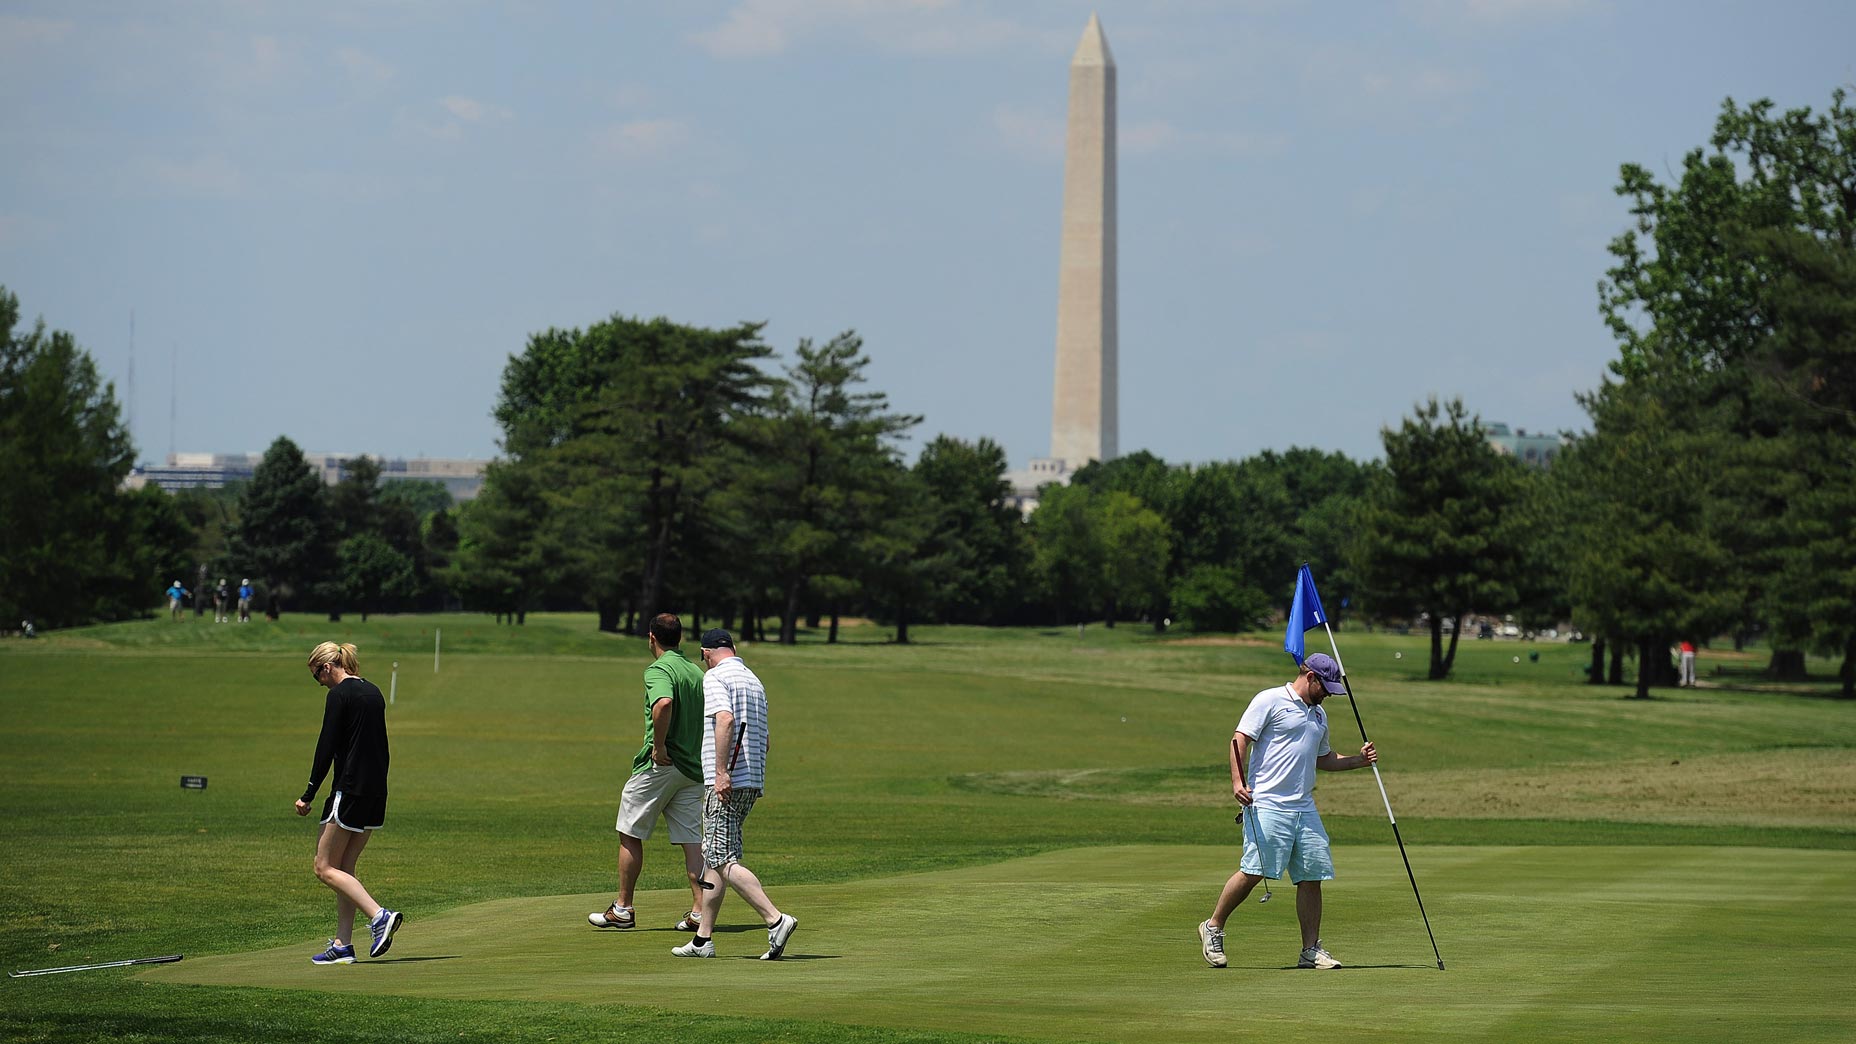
column 340, row 655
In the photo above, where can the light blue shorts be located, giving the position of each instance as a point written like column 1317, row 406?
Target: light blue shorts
column 1296, row 841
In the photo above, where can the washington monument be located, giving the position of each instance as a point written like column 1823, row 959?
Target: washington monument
column 1083, row 412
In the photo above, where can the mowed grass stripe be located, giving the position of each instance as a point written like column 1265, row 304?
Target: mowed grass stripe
column 1097, row 944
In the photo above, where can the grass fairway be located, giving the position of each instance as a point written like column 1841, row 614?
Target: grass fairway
column 989, row 834
column 1096, row 944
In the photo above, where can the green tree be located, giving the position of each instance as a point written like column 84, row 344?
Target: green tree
column 373, row 571
column 1099, row 549
column 625, row 426
column 423, row 497
column 283, row 530
column 507, row 560
column 1219, row 598
column 1067, row 552
column 975, row 539
column 826, row 456
column 1638, row 568
column 1432, row 538
column 1729, row 299
column 63, row 455
column 1135, row 551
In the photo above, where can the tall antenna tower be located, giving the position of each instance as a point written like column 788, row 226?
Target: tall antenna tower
column 173, row 400
column 131, row 375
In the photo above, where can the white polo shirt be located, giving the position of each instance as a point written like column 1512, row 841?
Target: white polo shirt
column 730, row 686
column 1286, row 735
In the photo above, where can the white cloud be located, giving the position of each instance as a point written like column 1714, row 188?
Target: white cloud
column 642, row 139
column 364, row 69
column 460, row 112
column 1498, row 12
column 1367, row 86
column 754, row 28
column 1152, row 136
column 24, row 33
column 463, row 108
column 1029, row 132
column 208, row 175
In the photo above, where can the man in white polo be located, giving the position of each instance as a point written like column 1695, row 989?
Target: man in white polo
column 1279, row 743
column 734, row 756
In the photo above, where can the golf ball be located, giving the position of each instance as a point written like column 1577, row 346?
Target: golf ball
column 1124, row 719
column 1517, row 659
column 1398, row 656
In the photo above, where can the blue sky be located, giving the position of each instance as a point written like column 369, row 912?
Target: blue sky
column 336, row 221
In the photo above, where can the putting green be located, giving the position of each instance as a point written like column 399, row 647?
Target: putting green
column 1098, row 944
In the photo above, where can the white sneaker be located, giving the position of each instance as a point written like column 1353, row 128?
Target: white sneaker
column 1316, row 957
column 777, row 935
column 1211, row 944
column 690, row 949
column 692, row 922
column 614, row 916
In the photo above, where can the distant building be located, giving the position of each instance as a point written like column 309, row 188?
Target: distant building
column 1535, row 450
column 461, row 477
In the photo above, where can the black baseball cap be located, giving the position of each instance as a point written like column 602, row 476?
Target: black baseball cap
column 716, row 638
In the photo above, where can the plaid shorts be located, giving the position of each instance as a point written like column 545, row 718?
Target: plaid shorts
column 721, row 824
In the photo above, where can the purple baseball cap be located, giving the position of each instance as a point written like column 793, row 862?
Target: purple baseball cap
column 1328, row 671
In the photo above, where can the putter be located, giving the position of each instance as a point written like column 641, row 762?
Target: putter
column 169, row 959
column 734, row 758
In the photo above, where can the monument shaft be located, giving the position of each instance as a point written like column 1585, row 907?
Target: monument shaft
column 1083, row 414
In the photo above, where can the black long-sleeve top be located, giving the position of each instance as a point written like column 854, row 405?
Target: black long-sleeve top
column 354, row 738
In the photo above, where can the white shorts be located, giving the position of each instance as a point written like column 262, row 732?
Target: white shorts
column 662, row 789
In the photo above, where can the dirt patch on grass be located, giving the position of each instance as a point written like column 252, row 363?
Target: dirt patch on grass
column 1792, row 787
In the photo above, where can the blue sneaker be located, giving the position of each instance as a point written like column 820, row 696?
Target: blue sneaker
column 335, row 954
column 384, row 924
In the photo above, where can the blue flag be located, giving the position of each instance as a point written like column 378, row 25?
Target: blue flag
column 1304, row 612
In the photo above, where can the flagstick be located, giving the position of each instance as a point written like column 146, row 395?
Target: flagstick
column 1382, row 795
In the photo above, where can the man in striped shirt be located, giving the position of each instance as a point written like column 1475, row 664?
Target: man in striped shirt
column 734, row 755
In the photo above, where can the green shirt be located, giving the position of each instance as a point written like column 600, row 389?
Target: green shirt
column 673, row 677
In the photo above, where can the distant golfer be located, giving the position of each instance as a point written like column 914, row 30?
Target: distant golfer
column 734, row 755
column 1279, row 743
column 219, row 601
column 175, row 593
column 666, row 774
column 354, row 739
column 244, row 600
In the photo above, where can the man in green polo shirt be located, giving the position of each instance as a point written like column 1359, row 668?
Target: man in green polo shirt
column 666, row 775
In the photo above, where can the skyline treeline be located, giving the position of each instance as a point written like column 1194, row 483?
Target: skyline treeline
column 650, row 465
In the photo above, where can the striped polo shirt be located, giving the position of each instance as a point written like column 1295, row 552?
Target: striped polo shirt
column 730, row 686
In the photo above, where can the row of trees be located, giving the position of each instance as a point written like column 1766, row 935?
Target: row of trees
column 1717, row 490
column 76, row 546
column 355, row 546
column 651, row 465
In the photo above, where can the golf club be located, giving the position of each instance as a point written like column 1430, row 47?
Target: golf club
column 734, row 758
column 1249, row 824
column 169, row 959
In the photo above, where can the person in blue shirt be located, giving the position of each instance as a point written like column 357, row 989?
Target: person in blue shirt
column 244, row 600
column 175, row 593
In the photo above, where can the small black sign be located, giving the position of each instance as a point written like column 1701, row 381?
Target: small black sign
column 193, row 782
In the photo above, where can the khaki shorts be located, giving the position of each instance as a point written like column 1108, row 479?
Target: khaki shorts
column 657, row 789
column 721, row 824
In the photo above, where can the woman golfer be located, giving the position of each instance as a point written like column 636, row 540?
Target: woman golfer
column 354, row 739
